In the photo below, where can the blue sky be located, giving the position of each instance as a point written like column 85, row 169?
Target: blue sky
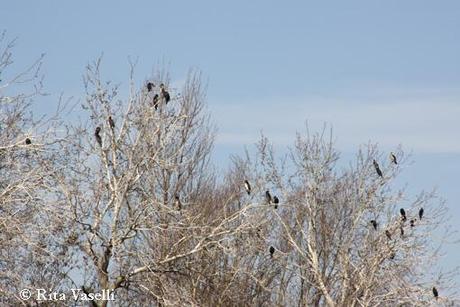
column 386, row 71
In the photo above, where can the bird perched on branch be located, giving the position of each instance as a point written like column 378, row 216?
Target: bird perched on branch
column 393, row 158
column 377, row 168
column 420, row 213
column 403, row 214
column 177, row 202
column 272, row 251
column 165, row 93
column 268, row 197
column 374, row 224
column 111, row 122
column 388, row 234
column 247, row 187
column 156, row 99
column 435, row 293
column 276, row 201
column 150, row 86
column 98, row 136
column 28, row 141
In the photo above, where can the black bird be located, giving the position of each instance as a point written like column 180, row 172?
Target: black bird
column 111, row 122
column 435, row 292
column 28, row 141
column 268, row 197
column 97, row 135
column 403, row 214
column 165, row 93
column 374, row 224
column 420, row 213
column 393, row 158
column 272, row 251
column 276, row 201
column 156, row 98
column 388, row 234
column 412, row 223
column 377, row 168
column 166, row 96
column 177, row 202
column 247, row 186
column 150, row 86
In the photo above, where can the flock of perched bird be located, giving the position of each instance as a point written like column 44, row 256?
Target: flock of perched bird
column 401, row 211
column 268, row 197
column 275, row 200
column 157, row 97
column 164, row 94
column 269, row 200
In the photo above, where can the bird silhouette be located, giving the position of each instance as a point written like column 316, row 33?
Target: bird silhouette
column 98, row 136
column 393, row 158
column 374, row 224
column 247, row 186
column 403, row 214
column 377, row 168
column 272, row 251
column 435, row 292
column 268, row 197
column 28, row 141
column 166, row 96
column 412, row 223
column 165, row 93
column 420, row 213
column 111, row 122
column 276, row 201
column 388, row 234
column 150, row 86
column 177, row 202
column 156, row 99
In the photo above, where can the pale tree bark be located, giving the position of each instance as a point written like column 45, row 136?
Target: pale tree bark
column 326, row 242
column 31, row 251
column 126, row 199
column 142, row 201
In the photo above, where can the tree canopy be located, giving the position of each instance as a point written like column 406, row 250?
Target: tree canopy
column 128, row 200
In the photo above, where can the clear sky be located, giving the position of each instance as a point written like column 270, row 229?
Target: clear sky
column 385, row 71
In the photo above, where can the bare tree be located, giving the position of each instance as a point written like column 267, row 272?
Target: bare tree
column 126, row 199
column 29, row 231
column 338, row 235
column 139, row 194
